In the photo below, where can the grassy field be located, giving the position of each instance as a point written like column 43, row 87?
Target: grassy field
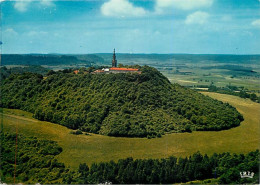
column 95, row 148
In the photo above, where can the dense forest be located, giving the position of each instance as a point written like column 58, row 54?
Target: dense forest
column 36, row 163
column 124, row 104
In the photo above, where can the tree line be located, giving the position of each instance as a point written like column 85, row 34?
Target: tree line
column 233, row 90
column 5, row 72
column 224, row 167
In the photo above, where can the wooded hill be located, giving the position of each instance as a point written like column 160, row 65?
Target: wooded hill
column 125, row 104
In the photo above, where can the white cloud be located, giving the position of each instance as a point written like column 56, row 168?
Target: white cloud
column 182, row 4
column 256, row 23
column 197, row 18
column 47, row 2
column 35, row 33
column 22, row 5
column 10, row 32
column 121, row 8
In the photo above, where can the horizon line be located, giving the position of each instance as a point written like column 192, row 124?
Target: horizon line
column 127, row 53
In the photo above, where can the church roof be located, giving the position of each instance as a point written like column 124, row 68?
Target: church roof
column 123, row 69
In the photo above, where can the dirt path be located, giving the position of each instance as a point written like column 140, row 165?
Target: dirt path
column 19, row 117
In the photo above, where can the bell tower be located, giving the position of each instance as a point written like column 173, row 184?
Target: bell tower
column 114, row 61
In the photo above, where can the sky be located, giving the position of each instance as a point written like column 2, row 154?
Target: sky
column 130, row 26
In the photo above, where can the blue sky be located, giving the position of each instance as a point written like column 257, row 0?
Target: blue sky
column 131, row 26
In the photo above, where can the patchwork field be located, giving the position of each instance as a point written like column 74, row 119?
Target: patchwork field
column 217, row 77
column 95, row 148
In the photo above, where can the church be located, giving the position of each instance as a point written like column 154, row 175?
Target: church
column 115, row 69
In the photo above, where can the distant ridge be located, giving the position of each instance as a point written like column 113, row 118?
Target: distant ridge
column 47, row 59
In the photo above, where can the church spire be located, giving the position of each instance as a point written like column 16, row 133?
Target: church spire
column 114, row 61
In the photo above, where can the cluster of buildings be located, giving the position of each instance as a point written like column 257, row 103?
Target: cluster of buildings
column 115, row 69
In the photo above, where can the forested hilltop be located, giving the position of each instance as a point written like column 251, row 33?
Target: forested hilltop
column 124, row 104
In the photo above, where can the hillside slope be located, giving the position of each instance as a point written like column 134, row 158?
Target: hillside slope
column 132, row 105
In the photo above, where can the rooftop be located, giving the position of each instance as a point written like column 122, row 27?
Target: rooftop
column 123, row 69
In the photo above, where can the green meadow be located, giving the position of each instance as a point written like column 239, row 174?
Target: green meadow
column 96, row 148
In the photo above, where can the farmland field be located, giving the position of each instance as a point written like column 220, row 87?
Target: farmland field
column 95, row 148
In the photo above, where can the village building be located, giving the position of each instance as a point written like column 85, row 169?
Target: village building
column 76, row 71
column 123, row 70
column 115, row 69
